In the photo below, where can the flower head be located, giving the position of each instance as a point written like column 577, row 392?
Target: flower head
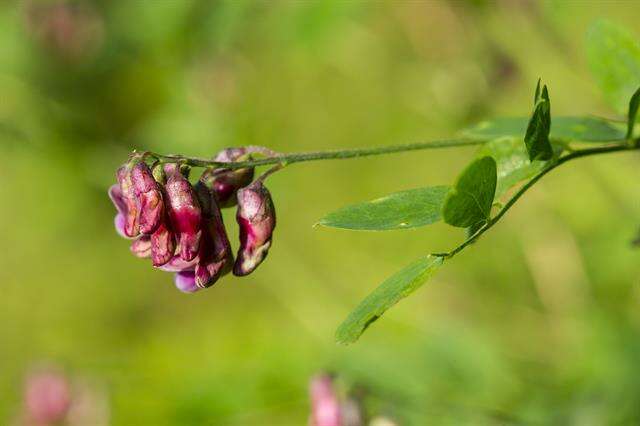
column 180, row 227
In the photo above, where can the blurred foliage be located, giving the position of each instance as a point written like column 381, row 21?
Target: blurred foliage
column 539, row 325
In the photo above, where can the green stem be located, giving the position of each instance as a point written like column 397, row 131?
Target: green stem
column 571, row 156
column 286, row 159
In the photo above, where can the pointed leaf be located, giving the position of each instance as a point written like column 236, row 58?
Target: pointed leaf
column 582, row 129
column 399, row 210
column 614, row 59
column 390, row 292
column 536, row 97
column 469, row 201
column 634, row 104
column 536, row 137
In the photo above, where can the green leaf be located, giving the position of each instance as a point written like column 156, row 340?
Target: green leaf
column 583, row 129
column 394, row 288
column 513, row 164
column 399, row 210
column 469, row 201
column 614, row 58
column 536, row 137
column 633, row 113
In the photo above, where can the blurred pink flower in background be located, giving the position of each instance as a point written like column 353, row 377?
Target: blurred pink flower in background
column 47, row 398
column 328, row 409
column 53, row 398
column 325, row 405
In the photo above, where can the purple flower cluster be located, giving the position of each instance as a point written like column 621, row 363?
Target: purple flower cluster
column 179, row 225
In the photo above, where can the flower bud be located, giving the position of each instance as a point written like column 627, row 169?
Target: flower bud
column 131, row 225
column 186, row 282
column 149, row 197
column 325, row 405
column 257, row 219
column 142, row 247
column 163, row 245
column 184, row 213
column 226, row 182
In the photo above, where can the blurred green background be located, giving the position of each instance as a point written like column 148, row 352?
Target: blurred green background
column 539, row 323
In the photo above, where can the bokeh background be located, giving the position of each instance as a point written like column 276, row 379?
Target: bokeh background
column 538, row 323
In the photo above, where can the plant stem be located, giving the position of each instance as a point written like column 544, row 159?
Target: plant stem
column 571, row 156
column 286, row 159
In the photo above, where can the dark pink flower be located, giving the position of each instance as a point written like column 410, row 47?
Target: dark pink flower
column 184, row 213
column 149, row 197
column 257, row 219
column 215, row 257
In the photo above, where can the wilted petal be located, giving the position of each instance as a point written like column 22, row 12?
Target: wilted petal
column 325, row 405
column 186, row 282
column 163, row 245
column 185, row 214
column 132, row 227
column 257, row 220
column 142, row 247
column 149, row 197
